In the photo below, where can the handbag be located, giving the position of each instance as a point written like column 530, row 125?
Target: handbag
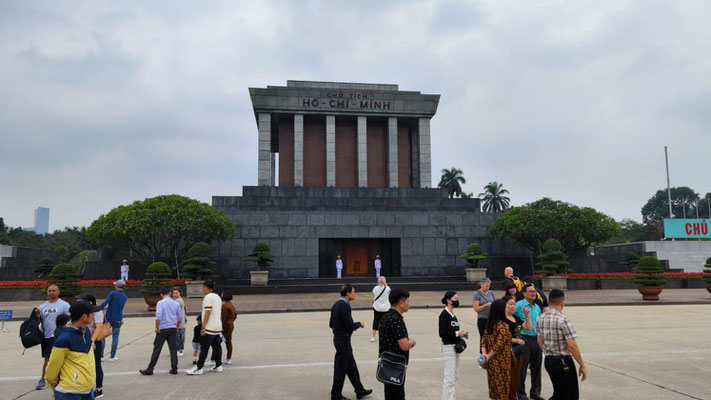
column 460, row 346
column 391, row 369
column 101, row 331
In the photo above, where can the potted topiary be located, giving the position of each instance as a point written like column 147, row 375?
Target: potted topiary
column 474, row 253
column 262, row 256
column 65, row 276
column 45, row 266
column 157, row 276
column 552, row 263
column 707, row 277
column 198, row 268
column 649, row 277
column 630, row 261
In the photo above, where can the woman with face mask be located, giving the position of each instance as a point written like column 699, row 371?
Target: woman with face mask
column 450, row 333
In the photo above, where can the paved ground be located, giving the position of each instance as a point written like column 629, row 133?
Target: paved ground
column 266, row 303
column 632, row 352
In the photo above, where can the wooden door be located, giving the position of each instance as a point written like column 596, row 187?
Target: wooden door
column 356, row 257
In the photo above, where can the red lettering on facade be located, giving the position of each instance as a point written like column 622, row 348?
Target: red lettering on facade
column 705, row 228
column 697, row 229
column 687, row 228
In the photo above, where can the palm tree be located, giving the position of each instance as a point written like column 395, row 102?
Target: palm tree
column 451, row 179
column 494, row 197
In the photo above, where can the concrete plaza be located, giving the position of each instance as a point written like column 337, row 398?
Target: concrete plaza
column 632, row 352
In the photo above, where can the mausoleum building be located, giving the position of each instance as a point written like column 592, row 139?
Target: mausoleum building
column 345, row 169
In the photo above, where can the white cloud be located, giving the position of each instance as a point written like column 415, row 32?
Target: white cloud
column 109, row 102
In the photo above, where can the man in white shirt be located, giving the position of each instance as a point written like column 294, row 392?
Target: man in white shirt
column 210, row 334
column 124, row 271
column 339, row 267
column 378, row 265
column 48, row 312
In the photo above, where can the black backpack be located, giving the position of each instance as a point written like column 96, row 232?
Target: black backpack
column 30, row 332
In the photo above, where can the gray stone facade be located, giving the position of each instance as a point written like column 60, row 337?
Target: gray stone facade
column 432, row 229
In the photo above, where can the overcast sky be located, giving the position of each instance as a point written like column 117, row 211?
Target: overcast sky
column 106, row 102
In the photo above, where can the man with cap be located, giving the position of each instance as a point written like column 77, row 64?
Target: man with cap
column 124, row 271
column 114, row 315
column 71, row 371
column 168, row 318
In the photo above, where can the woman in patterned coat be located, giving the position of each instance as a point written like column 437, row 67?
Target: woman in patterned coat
column 496, row 349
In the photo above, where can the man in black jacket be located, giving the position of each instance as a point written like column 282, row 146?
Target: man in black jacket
column 344, row 364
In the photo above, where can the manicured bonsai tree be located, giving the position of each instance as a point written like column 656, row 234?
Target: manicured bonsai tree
column 630, row 260
column 66, row 277
column 707, row 269
column 552, row 260
column 157, row 276
column 473, row 255
column 649, row 272
column 261, row 255
column 199, row 265
column 45, row 266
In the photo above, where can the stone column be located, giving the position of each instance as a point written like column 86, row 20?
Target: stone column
column 330, row 150
column 392, row 153
column 423, row 130
column 265, row 157
column 362, row 151
column 298, row 150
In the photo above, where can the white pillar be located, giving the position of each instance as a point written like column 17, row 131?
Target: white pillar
column 265, row 157
column 298, row 150
column 392, row 153
column 330, row 150
column 425, row 152
column 362, row 151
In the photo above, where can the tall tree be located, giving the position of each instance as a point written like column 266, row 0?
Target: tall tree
column 703, row 206
column 161, row 228
column 494, row 196
column 452, row 180
column 574, row 227
column 684, row 201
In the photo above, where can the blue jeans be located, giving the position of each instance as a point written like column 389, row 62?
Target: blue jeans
column 73, row 396
column 115, row 330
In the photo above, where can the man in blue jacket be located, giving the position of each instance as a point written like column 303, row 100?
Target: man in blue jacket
column 114, row 316
column 342, row 324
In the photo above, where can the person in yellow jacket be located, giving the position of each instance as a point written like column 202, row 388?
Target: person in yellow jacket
column 509, row 274
column 71, row 370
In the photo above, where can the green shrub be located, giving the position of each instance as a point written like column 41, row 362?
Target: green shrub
column 66, row 277
column 199, row 265
column 261, row 255
column 157, row 276
column 630, row 260
column 45, row 266
column 474, row 254
column 552, row 260
column 707, row 269
column 649, row 272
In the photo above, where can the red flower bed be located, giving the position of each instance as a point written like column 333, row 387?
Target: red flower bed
column 627, row 275
column 84, row 283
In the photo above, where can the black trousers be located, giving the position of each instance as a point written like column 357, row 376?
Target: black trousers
column 344, row 364
column 481, row 325
column 394, row 392
column 564, row 377
column 161, row 337
column 206, row 342
column 533, row 357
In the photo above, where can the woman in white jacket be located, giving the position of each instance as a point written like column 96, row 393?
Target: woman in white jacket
column 381, row 303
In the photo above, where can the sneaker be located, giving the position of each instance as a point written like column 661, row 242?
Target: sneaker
column 194, row 371
column 41, row 385
column 112, row 359
column 217, row 369
column 98, row 394
column 372, row 339
column 228, row 361
column 211, row 363
column 180, row 353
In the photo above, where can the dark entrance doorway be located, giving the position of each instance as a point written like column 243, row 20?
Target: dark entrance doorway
column 358, row 256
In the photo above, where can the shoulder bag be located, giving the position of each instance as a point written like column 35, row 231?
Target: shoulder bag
column 391, row 369
column 381, row 293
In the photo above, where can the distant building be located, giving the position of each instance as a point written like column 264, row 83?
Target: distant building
column 41, row 220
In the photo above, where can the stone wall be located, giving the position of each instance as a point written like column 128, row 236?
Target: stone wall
column 433, row 229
